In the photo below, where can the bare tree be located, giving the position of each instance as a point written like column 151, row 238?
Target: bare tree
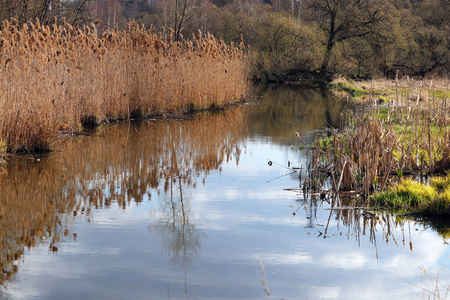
column 25, row 10
column 345, row 19
column 176, row 14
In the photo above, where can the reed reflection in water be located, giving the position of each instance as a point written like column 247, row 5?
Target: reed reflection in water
column 31, row 211
column 347, row 219
column 125, row 164
column 40, row 197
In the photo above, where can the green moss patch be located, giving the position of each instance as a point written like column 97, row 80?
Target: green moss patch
column 348, row 87
column 439, row 94
column 413, row 197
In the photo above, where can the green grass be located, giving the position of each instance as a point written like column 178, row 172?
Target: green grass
column 382, row 99
column 382, row 114
column 412, row 135
column 439, row 94
column 407, row 194
column 349, row 88
column 441, row 184
column 412, row 197
column 326, row 142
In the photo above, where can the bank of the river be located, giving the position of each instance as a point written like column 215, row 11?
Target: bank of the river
column 410, row 196
column 401, row 131
column 401, row 89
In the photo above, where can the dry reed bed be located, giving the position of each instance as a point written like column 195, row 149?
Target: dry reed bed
column 387, row 142
column 56, row 77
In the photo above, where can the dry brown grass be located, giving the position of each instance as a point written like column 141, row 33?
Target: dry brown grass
column 406, row 133
column 56, row 77
column 402, row 89
column 363, row 157
column 409, row 89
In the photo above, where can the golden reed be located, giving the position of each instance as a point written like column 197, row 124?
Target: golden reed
column 56, row 77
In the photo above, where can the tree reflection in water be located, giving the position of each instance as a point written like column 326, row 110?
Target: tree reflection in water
column 287, row 109
column 177, row 229
column 179, row 233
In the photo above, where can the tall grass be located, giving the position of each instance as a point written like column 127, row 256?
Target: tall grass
column 400, row 89
column 408, row 135
column 57, row 77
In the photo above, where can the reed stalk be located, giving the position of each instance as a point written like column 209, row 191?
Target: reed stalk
column 383, row 144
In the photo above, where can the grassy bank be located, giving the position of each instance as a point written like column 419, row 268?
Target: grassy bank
column 431, row 199
column 55, row 78
column 382, row 142
column 404, row 89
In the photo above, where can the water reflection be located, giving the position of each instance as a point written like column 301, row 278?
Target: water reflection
column 359, row 222
column 179, row 235
column 182, row 209
column 30, row 206
column 122, row 165
column 287, row 109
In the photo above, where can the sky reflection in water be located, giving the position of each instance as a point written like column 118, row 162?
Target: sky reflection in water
column 178, row 210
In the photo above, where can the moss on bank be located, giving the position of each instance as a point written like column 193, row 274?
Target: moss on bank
column 412, row 197
column 349, row 87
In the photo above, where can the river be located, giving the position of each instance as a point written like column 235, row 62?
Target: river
column 205, row 208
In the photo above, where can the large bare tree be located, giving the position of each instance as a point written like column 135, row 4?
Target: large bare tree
column 345, row 19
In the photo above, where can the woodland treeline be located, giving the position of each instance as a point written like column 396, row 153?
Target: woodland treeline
column 289, row 39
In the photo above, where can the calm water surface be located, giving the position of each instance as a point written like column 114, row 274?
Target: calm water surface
column 192, row 210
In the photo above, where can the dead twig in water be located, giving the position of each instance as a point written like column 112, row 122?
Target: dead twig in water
column 264, row 279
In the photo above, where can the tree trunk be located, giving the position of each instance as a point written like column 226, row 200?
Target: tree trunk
column 330, row 44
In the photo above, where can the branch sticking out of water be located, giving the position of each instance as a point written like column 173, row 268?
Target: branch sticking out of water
column 264, row 279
